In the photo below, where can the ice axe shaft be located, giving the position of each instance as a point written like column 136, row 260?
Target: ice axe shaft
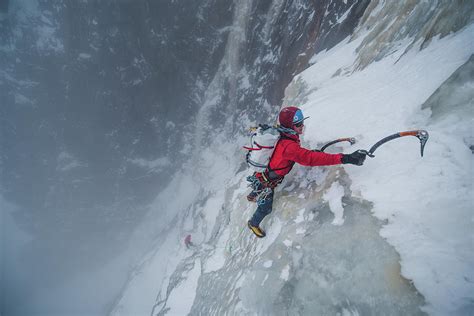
column 348, row 139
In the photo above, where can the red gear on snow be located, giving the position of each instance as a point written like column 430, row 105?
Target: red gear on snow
column 288, row 151
column 187, row 241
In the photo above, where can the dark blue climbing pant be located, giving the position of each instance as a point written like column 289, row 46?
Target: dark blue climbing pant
column 263, row 209
column 264, row 202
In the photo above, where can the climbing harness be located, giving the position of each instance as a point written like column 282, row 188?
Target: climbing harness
column 263, row 140
column 260, row 188
column 264, row 196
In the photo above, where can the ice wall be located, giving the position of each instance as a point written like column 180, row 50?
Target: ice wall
column 389, row 22
column 455, row 99
column 412, row 193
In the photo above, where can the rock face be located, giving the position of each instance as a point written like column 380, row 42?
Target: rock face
column 268, row 43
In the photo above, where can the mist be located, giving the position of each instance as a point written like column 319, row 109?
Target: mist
column 94, row 117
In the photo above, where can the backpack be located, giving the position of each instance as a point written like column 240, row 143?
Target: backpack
column 263, row 140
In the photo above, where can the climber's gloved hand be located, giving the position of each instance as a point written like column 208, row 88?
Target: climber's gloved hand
column 356, row 158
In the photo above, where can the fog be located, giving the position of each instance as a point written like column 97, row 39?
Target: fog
column 96, row 102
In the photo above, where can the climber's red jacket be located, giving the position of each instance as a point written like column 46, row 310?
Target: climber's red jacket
column 288, row 151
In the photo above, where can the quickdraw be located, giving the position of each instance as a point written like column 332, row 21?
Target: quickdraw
column 266, row 181
column 422, row 135
column 264, row 196
column 259, row 186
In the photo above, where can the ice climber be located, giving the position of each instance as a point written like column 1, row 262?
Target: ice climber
column 287, row 152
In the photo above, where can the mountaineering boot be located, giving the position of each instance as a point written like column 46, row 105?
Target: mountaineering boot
column 256, row 230
column 252, row 197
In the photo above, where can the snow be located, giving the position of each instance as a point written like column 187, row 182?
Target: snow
column 154, row 166
column 334, row 196
column 290, row 187
column 345, row 15
column 181, row 299
column 148, row 279
column 300, row 217
column 155, row 272
column 217, row 260
column 285, row 273
column 268, row 264
column 242, row 189
column 300, row 231
column 211, row 210
column 272, row 233
column 428, row 201
column 350, row 312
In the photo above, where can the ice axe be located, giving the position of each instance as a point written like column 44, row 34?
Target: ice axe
column 349, row 139
column 422, row 135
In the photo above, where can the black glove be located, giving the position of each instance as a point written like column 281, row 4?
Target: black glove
column 356, row 158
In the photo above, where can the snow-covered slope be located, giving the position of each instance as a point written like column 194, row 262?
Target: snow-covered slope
column 426, row 201
column 324, row 252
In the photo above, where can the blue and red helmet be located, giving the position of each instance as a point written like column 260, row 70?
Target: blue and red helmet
column 290, row 116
